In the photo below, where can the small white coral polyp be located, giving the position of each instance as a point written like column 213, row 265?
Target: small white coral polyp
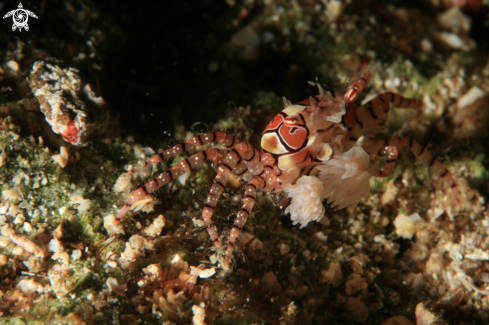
column 346, row 178
column 307, row 195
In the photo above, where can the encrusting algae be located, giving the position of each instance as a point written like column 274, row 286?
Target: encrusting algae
column 402, row 250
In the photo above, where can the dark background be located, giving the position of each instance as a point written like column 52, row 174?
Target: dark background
column 155, row 55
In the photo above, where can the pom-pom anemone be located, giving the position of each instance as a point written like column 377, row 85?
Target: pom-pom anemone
column 307, row 195
column 343, row 180
column 346, row 178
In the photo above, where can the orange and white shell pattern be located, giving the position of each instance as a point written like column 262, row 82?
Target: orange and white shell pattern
column 304, row 135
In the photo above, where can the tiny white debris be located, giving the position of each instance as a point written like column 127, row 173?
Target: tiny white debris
column 176, row 259
column 112, row 284
column 155, row 228
column 14, row 66
column 81, row 204
column 29, row 245
column 19, row 220
column 4, row 241
column 478, row 254
column 390, row 193
column 140, row 243
column 284, row 248
column 63, row 257
column 55, row 246
column 454, row 251
column 178, row 263
column 62, row 157
column 333, row 275
column 76, row 254
column 485, row 222
column 199, row 314
column 470, row 97
column 437, row 212
column 198, row 223
column 123, row 183
column 111, row 264
column 59, row 281
column 454, row 20
column 426, row 45
column 6, row 230
column 30, row 286
column 406, row 226
column 113, row 227
column 141, row 309
column 14, row 135
column 202, row 273
column 110, row 254
column 183, row 178
column 321, row 236
column 333, row 10
column 99, row 101
column 453, row 41
column 14, row 210
column 63, row 210
column 12, row 195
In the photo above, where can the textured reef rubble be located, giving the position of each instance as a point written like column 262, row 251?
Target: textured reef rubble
column 71, row 108
column 408, row 254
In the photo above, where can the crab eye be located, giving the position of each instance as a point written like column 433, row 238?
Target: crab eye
column 296, row 120
column 291, row 121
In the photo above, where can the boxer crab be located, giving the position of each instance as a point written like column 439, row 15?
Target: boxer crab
column 309, row 150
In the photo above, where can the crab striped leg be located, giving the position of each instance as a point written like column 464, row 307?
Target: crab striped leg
column 267, row 180
column 227, row 139
column 391, row 153
column 249, row 200
column 184, row 166
column 241, row 170
column 251, row 157
column 356, row 86
column 389, row 148
column 371, row 116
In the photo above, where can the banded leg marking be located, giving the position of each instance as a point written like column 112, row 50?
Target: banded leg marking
column 356, row 86
column 249, row 200
column 391, row 153
column 371, row 116
column 227, row 139
column 184, row 166
column 380, row 147
column 270, row 169
column 243, row 151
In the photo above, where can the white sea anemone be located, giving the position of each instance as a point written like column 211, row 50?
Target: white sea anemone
column 345, row 177
column 307, row 195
